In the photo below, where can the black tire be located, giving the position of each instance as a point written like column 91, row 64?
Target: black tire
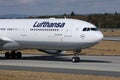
column 7, row 55
column 77, row 59
column 19, row 55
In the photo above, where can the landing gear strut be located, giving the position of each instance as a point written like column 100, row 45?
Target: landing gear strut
column 13, row 55
column 76, row 58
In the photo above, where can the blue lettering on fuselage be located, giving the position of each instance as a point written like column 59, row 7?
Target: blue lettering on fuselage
column 49, row 24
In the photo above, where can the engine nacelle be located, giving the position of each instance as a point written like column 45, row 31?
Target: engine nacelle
column 53, row 51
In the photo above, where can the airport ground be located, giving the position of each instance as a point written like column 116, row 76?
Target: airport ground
column 60, row 67
column 105, row 48
column 27, row 75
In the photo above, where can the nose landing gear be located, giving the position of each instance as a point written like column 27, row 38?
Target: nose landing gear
column 76, row 58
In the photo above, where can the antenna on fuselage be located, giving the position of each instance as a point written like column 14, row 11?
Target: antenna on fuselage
column 65, row 17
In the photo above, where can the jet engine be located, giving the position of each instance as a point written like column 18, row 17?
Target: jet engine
column 53, row 51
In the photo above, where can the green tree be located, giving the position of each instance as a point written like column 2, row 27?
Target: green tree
column 72, row 13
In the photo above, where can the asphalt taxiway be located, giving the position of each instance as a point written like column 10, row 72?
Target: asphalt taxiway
column 90, row 65
column 111, row 38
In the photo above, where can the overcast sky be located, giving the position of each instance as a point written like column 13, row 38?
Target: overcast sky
column 50, row 7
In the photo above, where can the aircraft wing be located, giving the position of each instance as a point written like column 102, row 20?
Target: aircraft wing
column 111, row 38
column 5, row 40
column 2, row 42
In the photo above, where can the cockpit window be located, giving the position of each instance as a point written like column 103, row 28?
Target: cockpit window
column 84, row 29
column 90, row 29
column 94, row 29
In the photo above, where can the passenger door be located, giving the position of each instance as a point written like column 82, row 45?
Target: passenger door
column 68, row 33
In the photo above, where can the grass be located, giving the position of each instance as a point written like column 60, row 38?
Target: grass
column 110, row 32
column 27, row 75
column 104, row 48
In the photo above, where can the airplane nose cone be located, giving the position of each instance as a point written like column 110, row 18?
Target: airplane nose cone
column 99, row 36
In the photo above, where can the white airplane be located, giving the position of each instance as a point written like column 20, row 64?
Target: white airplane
column 48, row 35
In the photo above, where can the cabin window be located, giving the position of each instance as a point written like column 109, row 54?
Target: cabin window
column 44, row 29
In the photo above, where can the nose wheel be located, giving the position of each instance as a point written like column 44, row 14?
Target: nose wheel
column 76, row 58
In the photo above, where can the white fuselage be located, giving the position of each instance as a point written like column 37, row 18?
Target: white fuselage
column 47, row 34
